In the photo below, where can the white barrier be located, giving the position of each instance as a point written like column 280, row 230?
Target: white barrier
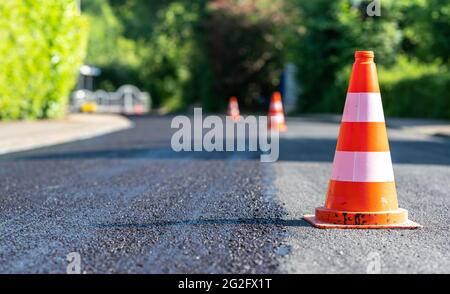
column 127, row 99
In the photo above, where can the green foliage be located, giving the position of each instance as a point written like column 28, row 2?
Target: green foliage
column 171, row 49
column 154, row 45
column 118, row 57
column 409, row 88
column 105, row 33
column 410, row 40
column 331, row 32
column 42, row 45
column 245, row 49
column 168, row 69
column 426, row 29
column 425, row 96
column 203, row 51
column 415, row 89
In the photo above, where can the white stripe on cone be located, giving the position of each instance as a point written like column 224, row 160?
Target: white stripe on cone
column 362, row 167
column 276, row 106
column 277, row 118
column 363, row 107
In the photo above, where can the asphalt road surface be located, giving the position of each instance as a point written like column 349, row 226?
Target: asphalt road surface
column 127, row 203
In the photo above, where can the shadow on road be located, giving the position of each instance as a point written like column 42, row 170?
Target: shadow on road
column 247, row 221
column 134, row 153
column 150, row 140
column 302, row 149
column 402, row 151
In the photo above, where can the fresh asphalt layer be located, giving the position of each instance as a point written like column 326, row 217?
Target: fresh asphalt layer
column 127, row 203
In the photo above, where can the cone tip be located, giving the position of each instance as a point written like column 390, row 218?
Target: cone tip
column 364, row 54
column 276, row 96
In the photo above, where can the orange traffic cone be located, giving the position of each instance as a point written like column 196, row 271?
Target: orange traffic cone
column 233, row 109
column 361, row 192
column 276, row 113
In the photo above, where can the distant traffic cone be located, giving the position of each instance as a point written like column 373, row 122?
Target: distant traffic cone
column 276, row 113
column 233, row 109
column 361, row 192
column 138, row 109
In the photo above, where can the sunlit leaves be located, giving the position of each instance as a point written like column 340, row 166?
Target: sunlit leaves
column 42, row 44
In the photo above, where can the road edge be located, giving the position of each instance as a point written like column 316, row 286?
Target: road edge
column 28, row 135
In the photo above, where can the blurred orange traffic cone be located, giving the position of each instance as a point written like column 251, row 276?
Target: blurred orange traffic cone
column 361, row 191
column 233, row 109
column 138, row 109
column 276, row 113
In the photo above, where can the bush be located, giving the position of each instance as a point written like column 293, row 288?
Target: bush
column 330, row 32
column 409, row 88
column 42, row 45
column 245, row 48
column 413, row 89
column 168, row 69
column 190, row 51
column 150, row 44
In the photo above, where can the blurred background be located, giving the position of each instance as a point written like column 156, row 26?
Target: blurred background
column 178, row 54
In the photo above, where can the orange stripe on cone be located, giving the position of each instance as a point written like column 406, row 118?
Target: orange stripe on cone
column 361, row 193
column 361, row 196
column 363, row 136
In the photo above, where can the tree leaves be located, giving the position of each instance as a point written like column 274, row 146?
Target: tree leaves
column 42, row 45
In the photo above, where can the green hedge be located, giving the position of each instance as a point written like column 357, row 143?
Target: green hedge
column 424, row 96
column 414, row 89
column 408, row 88
column 42, row 45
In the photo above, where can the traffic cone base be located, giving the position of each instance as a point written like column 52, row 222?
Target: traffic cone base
column 331, row 219
column 361, row 191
